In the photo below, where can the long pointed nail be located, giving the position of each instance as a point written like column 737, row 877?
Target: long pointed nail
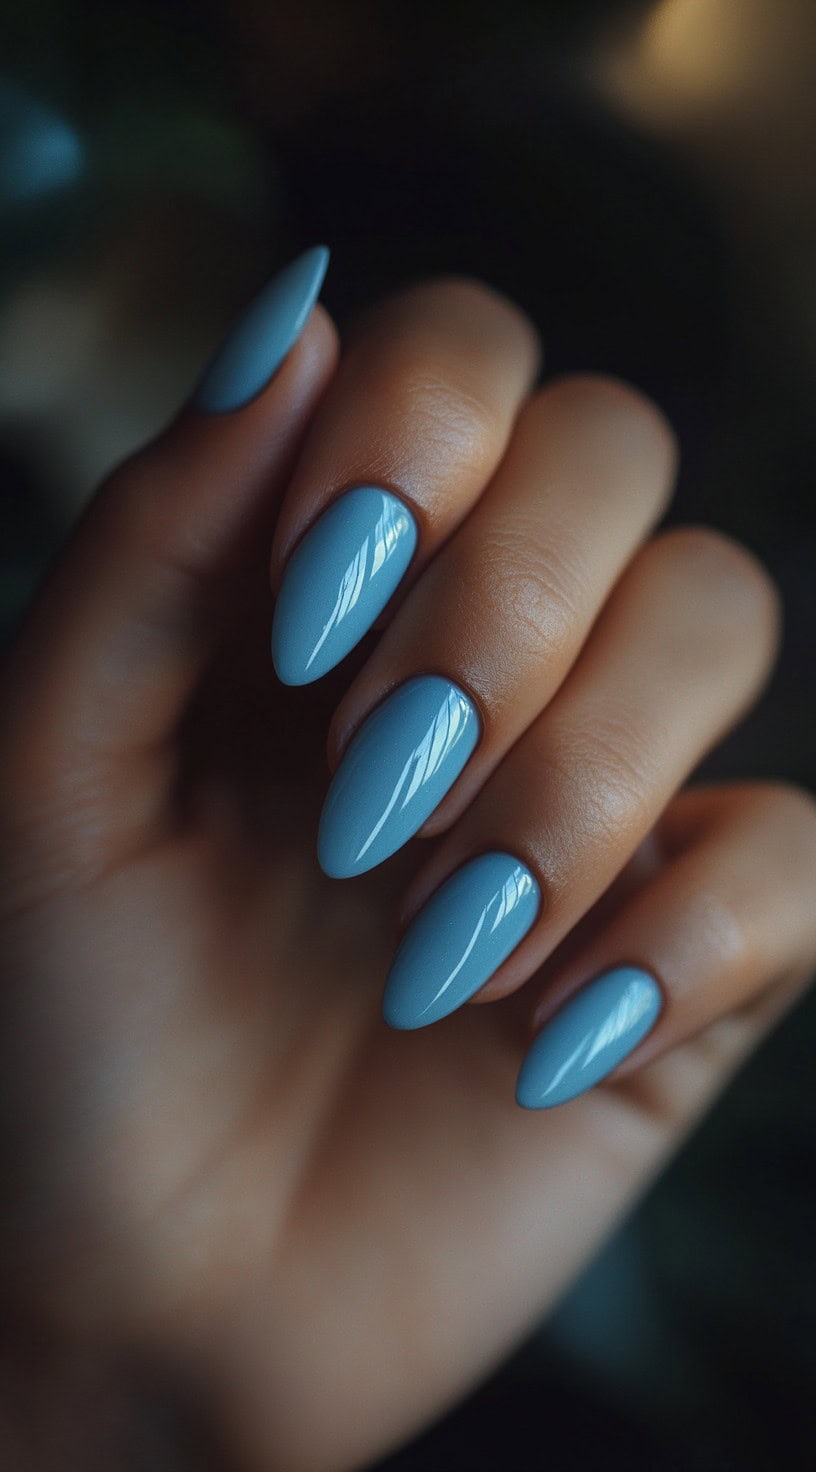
column 461, row 936
column 260, row 340
column 590, row 1036
column 397, row 769
column 338, row 580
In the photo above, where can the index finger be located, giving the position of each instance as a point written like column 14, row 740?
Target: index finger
column 407, row 437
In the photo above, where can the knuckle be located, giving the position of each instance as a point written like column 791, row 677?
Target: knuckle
column 621, row 762
column 139, row 507
column 605, row 773
column 444, row 361
column 133, row 506
column 121, row 499
column 537, row 588
column 452, row 415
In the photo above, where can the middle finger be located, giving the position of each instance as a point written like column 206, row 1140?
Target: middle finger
column 493, row 626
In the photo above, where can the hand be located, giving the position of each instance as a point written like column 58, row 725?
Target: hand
column 220, row 1151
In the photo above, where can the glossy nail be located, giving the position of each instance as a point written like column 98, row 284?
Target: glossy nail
column 589, row 1037
column 262, row 337
column 338, row 580
column 459, row 938
column 396, row 770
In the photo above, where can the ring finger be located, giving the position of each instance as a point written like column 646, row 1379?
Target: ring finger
column 680, row 650
column 725, row 926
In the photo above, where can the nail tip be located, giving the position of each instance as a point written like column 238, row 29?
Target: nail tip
column 526, row 1097
column 297, row 673
column 395, row 1021
column 531, row 1099
column 460, row 938
column 313, row 259
column 321, row 254
column 289, row 676
column 360, row 812
column 328, row 868
column 403, row 1017
column 332, row 862
column 313, row 263
column 262, row 338
column 288, row 669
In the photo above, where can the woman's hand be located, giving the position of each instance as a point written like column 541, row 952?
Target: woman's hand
column 219, row 1150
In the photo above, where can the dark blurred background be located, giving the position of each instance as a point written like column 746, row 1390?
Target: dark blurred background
column 640, row 177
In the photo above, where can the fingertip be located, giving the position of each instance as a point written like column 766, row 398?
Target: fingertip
column 320, row 340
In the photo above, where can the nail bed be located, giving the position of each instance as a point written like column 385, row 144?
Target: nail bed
column 460, row 937
column 593, row 1032
column 338, row 580
column 397, row 769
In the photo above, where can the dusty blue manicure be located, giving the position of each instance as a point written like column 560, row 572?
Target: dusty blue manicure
column 396, row 770
column 338, row 580
column 261, row 339
column 589, row 1037
column 460, row 937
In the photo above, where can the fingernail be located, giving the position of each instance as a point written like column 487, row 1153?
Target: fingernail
column 460, row 937
column 262, row 337
column 397, row 769
column 337, row 581
column 589, row 1037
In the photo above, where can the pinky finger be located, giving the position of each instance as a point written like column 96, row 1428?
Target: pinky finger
column 728, row 917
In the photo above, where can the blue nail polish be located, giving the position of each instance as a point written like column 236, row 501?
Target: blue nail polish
column 397, row 769
column 261, row 339
column 460, row 937
column 338, row 580
column 589, row 1037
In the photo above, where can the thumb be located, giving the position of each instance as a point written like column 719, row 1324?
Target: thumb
column 102, row 672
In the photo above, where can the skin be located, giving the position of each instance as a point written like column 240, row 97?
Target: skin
column 219, row 1156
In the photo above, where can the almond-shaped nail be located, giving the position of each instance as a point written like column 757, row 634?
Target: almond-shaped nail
column 260, row 340
column 459, row 938
column 338, row 580
column 593, row 1032
column 397, row 769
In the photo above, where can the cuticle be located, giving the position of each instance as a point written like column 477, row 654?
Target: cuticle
column 490, row 851
column 422, row 674
column 648, row 970
column 337, row 495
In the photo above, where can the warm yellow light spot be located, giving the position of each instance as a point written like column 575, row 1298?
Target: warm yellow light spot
column 696, row 58
column 702, row 47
